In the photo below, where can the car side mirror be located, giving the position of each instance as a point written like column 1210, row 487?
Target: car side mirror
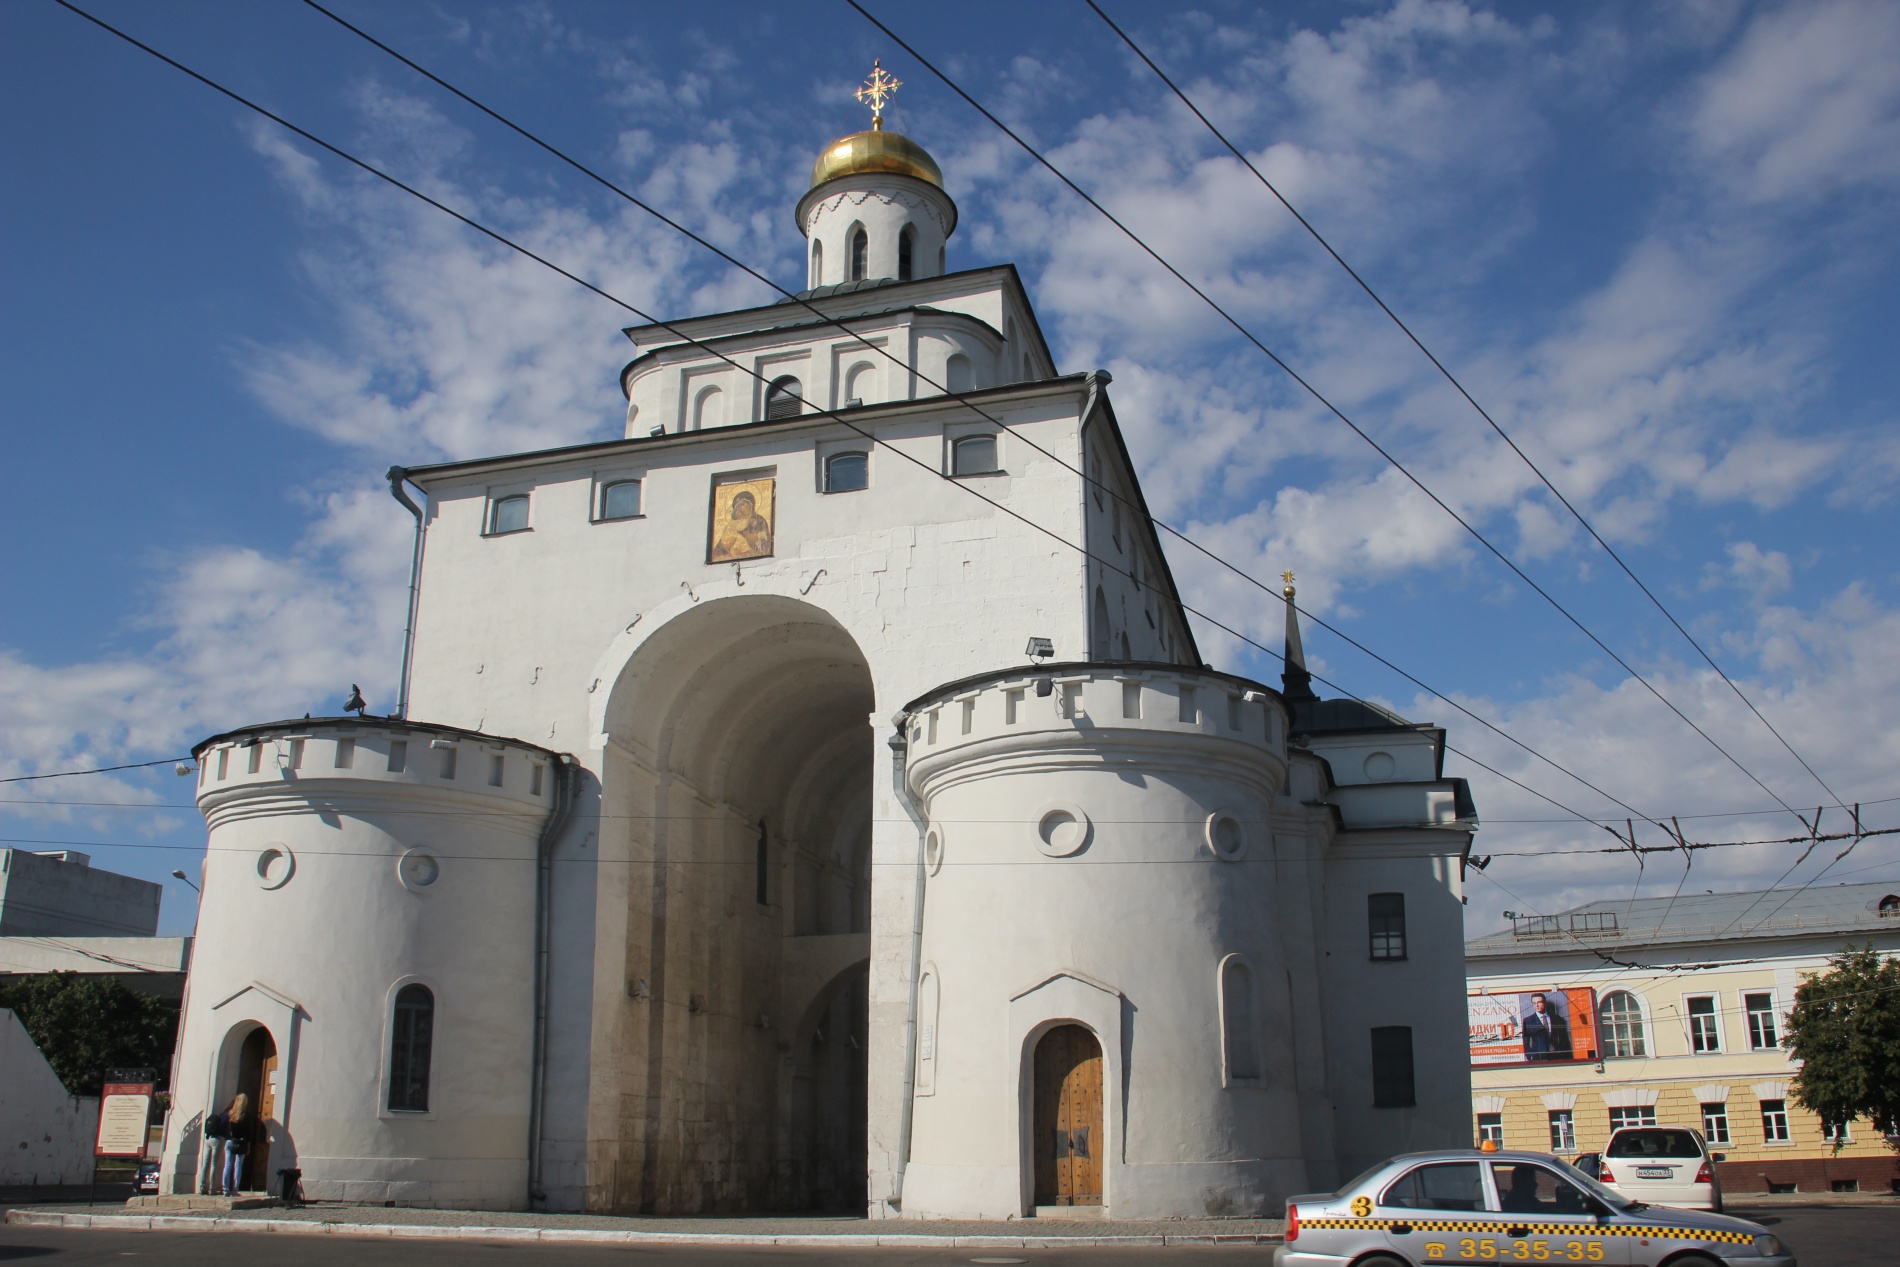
column 1718, row 1156
column 1595, row 1208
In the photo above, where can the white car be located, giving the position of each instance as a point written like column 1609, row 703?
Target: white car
column 1659, row 1165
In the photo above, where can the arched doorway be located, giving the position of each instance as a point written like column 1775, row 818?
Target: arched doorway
column 738, row 772
column 1067, row 1143
column 257, row 1080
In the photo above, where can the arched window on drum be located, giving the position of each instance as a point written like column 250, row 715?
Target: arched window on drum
column 785, row 398
column 411, row 1042
column 1240, row 1024
column 860, row 252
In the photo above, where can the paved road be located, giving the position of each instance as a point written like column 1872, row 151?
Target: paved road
column 1820, row 1236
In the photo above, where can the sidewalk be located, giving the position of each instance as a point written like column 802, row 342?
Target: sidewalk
column 834, row 1232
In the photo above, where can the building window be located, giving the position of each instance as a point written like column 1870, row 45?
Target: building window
column 508, row 514
column 1763, row 1034
column 847, row 472
column 905, row 248
column 817, row 264
column 409, row 1050
column 620, row 500
column 1237, row 1019
column 1703, row 1034
column 1890, row 905
column 1385, row 913
column 1392, row 1067
column 1837, row 1133
column 1774, row 1121
column 706, row 408
column 1563, row 1131
column 785, row 398
column 860, row 251
column 973, row 455
column 1715, row 1122
column 1491, row 1127
column 958, row 376
column 1634, row 1115
column 1622, row 1025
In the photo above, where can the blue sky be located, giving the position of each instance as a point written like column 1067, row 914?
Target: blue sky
column 1656, row 242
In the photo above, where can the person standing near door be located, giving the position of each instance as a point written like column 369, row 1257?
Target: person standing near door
column 217, row 1136
column 241, row 1128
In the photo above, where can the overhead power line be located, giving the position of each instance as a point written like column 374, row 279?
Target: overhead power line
column 104, row 769
column 884, row 351
column 1321, row 399
column 749, row 372
column 1460, row 388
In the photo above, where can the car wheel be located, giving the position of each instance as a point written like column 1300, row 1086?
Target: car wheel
column 1694, row 1260
column 1386, row 1260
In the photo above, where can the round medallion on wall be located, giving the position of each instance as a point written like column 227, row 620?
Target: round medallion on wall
column 275, row 865
column 1226, row 837
column 418, row 870
column 933, row 851
column 1380, row 767
column 1063, row 830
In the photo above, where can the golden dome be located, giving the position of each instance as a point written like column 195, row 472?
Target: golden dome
column 875, row 151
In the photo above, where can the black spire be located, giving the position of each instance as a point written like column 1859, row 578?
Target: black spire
column 1295, row 681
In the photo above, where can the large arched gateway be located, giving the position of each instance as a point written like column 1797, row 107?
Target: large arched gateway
column 735, row 812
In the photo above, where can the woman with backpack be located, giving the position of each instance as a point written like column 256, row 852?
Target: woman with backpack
column 241, row 1128
column 217, row 1135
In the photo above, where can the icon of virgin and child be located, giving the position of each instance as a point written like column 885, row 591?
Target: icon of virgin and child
column 741, row 525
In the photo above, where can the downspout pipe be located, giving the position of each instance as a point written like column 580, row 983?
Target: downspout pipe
column 900, row 751
column 566, row 775
column 399, row 475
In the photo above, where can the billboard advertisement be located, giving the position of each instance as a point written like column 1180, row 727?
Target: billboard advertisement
column 1533, row 1026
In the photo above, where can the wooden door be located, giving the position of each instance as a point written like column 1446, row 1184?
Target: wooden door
column 266, row 1114
column 1068, row 1142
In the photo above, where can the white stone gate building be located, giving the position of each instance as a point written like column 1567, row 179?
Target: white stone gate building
column 799, row 883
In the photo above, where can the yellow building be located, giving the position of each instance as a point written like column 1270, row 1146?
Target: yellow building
column 1569, row 1041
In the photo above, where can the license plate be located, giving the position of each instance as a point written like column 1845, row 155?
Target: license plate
column 1655, row 1172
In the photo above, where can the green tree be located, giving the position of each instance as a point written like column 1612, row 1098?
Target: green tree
column 1845, row 1031
column 86, row 1025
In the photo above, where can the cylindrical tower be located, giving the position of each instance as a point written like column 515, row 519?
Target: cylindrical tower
column 876, row 210
column 363, row 969
column 1102, row 1011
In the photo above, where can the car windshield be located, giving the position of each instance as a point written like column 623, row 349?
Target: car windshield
column 1654, row 1143
column 1609, row 1196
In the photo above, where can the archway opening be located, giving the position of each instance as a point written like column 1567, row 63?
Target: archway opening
column 739, row 767
column 1067, row 1145
column 256, row 1080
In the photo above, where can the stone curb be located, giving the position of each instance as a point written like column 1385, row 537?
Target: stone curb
column 572, row 1236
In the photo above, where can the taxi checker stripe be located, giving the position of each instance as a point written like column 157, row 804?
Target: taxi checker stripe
column 1537, row 1229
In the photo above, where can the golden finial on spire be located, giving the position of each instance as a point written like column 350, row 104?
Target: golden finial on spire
column 1287, row 576
column 877, row 90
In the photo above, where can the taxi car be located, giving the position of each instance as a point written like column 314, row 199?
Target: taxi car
column 1464, row 1205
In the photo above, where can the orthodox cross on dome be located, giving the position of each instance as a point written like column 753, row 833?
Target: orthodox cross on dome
column 877, row 90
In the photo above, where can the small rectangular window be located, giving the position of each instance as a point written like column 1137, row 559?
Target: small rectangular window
column 620, row 500
column 296, row 754
column 445, row 762
column 398, row 755
column 1233, row 712
column 224, row 762
column 1634, row 1115
column 1491, row 1128
column 1715, row 1122
column 256, row 758
column 1563, row 1131
column 1763, row 1031
column 497, row 765
column 1385, row 917
column 345, row 753
column 973, row 455
column 847, row 472
column 534, row 779
column 1190, row 705
column 1131, row 699
column 1703, row 1034
column 1774, row 1121
column 508, row 514
column 1837, row 1132
column 1392, row 1067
